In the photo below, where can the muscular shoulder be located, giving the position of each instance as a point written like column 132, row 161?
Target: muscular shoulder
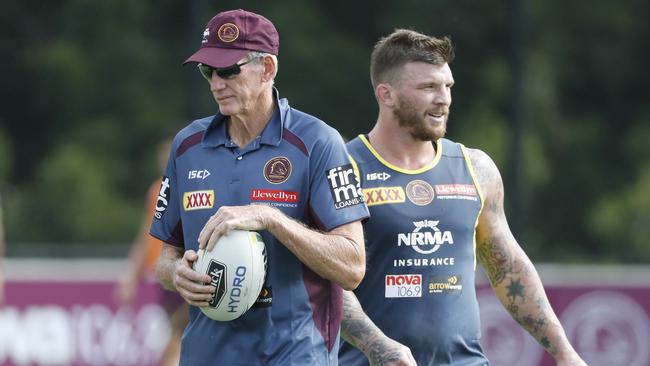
column 486, row 171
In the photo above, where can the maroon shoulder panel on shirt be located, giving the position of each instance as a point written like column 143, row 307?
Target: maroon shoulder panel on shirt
column 295, row 141
column 189, row 142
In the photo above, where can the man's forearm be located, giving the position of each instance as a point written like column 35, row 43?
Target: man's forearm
column 338, row 255
column 519, row 288
column 358, row 330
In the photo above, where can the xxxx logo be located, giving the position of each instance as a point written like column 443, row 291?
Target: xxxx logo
column 198, row 200
column 383, row 195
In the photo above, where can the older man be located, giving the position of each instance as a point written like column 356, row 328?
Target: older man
column 257, row 144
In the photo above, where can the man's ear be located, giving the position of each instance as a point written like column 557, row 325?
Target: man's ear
column 270, row 68
column 385, row 94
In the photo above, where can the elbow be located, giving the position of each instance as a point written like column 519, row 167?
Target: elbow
column 357, row 268
column 354, row 276
column 352, row 262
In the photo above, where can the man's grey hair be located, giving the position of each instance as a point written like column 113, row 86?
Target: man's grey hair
column 256, row 56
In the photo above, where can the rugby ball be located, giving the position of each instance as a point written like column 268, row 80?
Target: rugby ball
column 237, row 266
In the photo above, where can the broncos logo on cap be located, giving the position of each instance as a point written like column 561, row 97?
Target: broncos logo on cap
column 228, row 32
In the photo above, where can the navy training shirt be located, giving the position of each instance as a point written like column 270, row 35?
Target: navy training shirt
column 419, row 282
column 299, row 165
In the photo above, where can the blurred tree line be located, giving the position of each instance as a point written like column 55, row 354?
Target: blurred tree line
column 554, row 91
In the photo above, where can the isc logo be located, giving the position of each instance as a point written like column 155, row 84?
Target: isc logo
column 344, row 186
column 198, row 174
column 377, row 176
column 405, row 285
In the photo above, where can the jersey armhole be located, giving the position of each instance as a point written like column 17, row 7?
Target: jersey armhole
column 470, row 167
column 355, row 167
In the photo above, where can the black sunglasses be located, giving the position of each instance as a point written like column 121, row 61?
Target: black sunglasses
column 223, row 72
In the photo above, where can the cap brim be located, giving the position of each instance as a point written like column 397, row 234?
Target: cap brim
column 217, row 57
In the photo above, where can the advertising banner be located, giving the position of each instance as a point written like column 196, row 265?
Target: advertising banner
column 74, row 320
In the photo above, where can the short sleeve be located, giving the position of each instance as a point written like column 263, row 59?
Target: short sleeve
column 166, row 223
column 335, row 191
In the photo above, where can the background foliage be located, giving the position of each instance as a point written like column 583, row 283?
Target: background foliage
column 554, row 91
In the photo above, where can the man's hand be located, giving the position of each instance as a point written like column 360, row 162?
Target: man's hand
column 358, row 330
column 193, row 286
column 251, row 217
column 389, row 352
column 575, row 360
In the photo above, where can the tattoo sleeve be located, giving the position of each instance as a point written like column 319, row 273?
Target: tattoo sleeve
column 509, row 270
column 358, row 330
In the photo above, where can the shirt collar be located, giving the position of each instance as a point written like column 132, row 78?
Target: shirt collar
column 217, row 134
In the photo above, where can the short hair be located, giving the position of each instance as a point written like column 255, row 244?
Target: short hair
column 256, row 57
column 403, row 46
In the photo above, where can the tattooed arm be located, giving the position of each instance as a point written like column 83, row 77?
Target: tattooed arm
column 358, row 330
column 511, row 273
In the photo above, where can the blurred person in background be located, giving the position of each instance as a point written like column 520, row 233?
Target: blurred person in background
column 142, row 260
column 259, row 164
column 2, row 256
column 436, row 208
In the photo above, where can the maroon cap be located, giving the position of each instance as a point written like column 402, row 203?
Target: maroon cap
column 231, row 35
